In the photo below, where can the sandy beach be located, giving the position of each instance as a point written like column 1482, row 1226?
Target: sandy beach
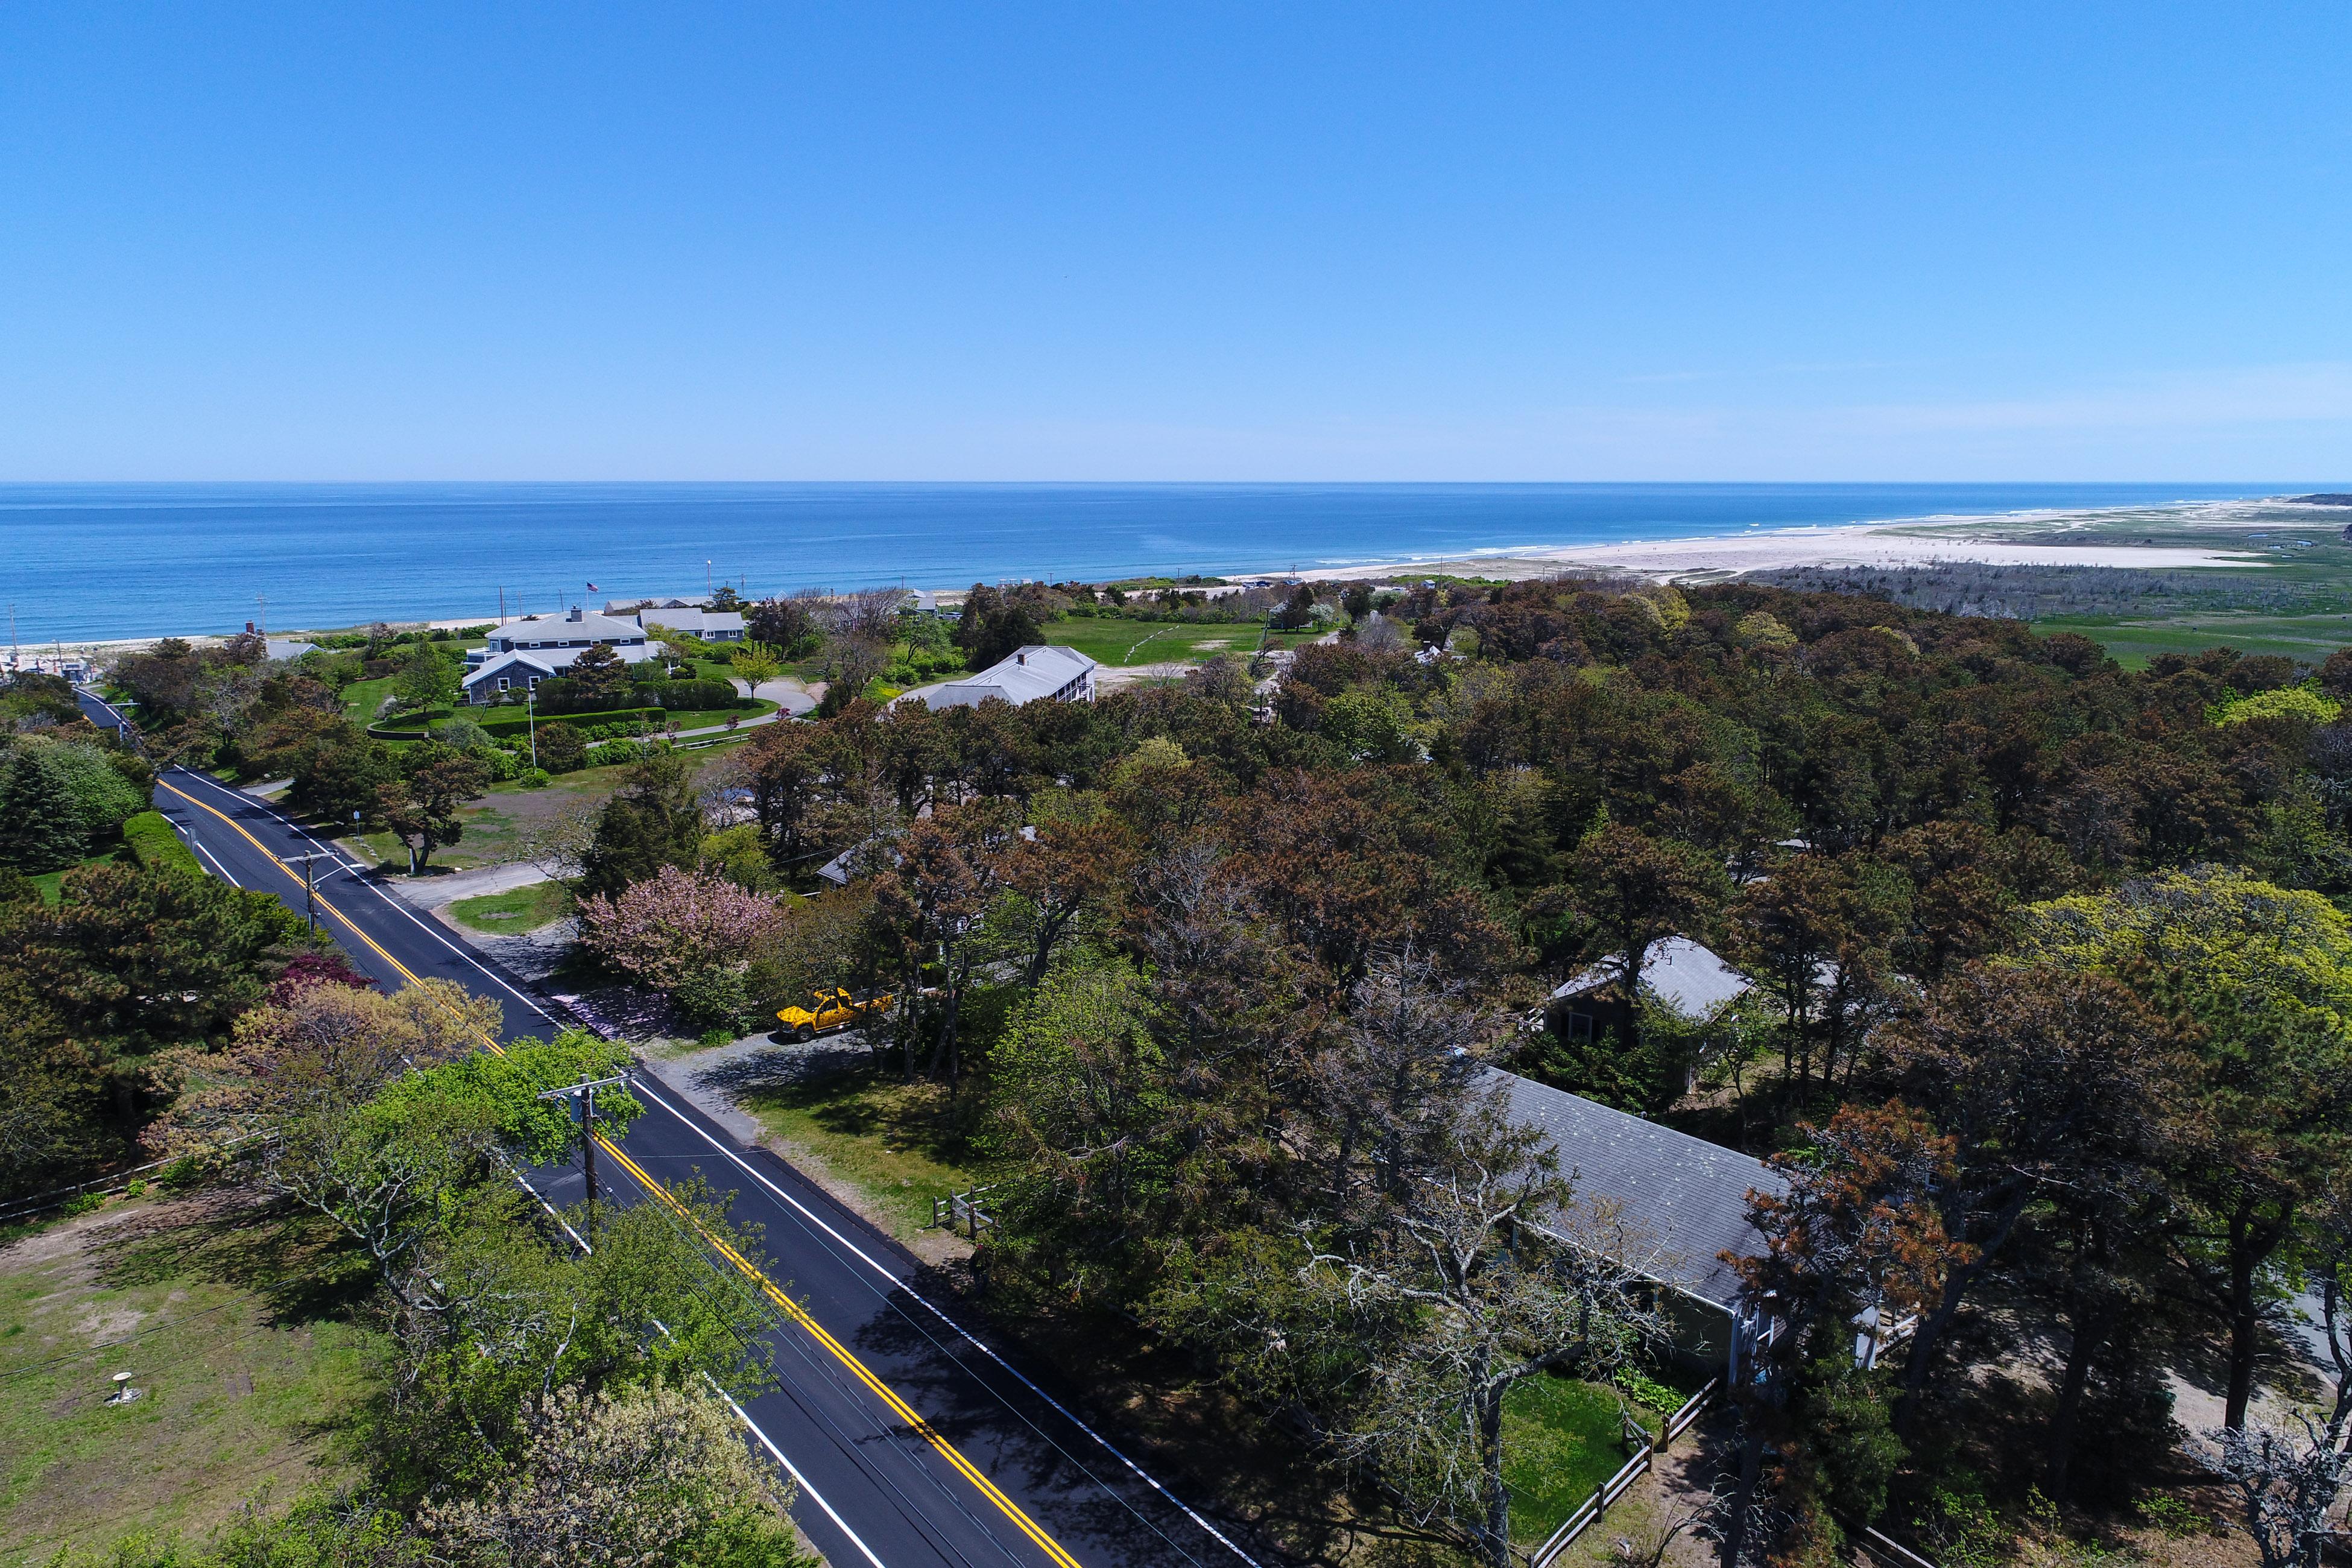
column 1766, row 550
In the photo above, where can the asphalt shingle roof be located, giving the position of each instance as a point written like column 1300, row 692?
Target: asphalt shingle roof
column 1033, row 672
column 1692, row 1196
column 1682, row 974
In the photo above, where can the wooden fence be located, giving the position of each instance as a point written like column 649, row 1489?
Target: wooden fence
column 17, row 1209
column 960, row 1211
column 1605, row 1495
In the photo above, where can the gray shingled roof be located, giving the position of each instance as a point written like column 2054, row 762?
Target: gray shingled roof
column 1032, row 672
column 1691, row 1194
column 1685, row 976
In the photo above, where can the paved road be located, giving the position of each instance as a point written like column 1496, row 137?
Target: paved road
column 916, row 1443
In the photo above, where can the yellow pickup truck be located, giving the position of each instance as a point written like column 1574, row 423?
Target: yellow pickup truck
column 831, row 1010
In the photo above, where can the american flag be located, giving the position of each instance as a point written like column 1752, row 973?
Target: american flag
column 594, row 589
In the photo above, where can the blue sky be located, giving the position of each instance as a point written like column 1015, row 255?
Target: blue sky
column 1127, row 241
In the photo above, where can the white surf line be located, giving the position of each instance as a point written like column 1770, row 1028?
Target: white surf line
column 859, row 1253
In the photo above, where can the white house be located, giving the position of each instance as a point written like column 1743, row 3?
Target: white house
column 520, row 653
column 1040, row 672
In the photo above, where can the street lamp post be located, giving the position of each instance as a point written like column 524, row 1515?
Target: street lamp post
column 530, row 719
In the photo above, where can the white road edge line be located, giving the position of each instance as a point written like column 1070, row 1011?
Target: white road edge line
column 1067, row 1414
column 390, row 902
column 793, row 1470
column 765, row 1441
column 742, row 1415
column 1057, row 1405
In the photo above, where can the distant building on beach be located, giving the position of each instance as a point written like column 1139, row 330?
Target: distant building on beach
column 1037, row 673
column 520, row 653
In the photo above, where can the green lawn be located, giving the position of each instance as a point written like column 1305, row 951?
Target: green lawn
column 51, row 883
column 496, row 824
column 520, row 910
column 512, row 725
column 900, row 1145
column 362, row 698
column 1119, row 643
column 2134, row 642
column 1560, row 1441
column 234, row 1327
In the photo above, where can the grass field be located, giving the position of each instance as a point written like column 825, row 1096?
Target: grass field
column 519, row 910
column 362, row 698
column 49, row 884
column 233, row 1326
column 900, row 1145
column 495, row 825
column 1561, row 1440
column 2135, row 641
column 1120, row 642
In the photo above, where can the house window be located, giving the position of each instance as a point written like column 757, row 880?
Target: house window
column 1579, row 1026
column 504, row 684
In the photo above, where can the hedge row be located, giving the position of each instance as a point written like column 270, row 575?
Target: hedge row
column 158, row 848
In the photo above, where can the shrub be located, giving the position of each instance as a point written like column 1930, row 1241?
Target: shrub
column 158, row 847
column 562, row 749
column 717, row 998
column 612, row 754
column 57, row 799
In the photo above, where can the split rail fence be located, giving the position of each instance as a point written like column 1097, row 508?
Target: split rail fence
column 1605, row 1495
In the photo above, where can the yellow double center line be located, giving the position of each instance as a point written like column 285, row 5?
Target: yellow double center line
column 791, row 1309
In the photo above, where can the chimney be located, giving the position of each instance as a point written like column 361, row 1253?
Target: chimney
column 1021, row 658
column 575, row 612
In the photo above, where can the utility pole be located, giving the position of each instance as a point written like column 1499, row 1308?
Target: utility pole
column 261, row 605
column 582, row 1097
column 311, row 884
column 16, row 653
column 502, row 606
column 709, row 589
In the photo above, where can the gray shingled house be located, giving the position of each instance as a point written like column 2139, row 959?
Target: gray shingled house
column 1689, row 1195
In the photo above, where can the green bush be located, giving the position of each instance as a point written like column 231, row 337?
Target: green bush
column 717, row 997
column 157, row 847
column 59, row 798
column 562, row 749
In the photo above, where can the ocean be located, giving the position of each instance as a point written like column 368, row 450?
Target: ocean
column 89, row 561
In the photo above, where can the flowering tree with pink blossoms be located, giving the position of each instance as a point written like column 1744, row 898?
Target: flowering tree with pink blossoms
column 674, row 925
